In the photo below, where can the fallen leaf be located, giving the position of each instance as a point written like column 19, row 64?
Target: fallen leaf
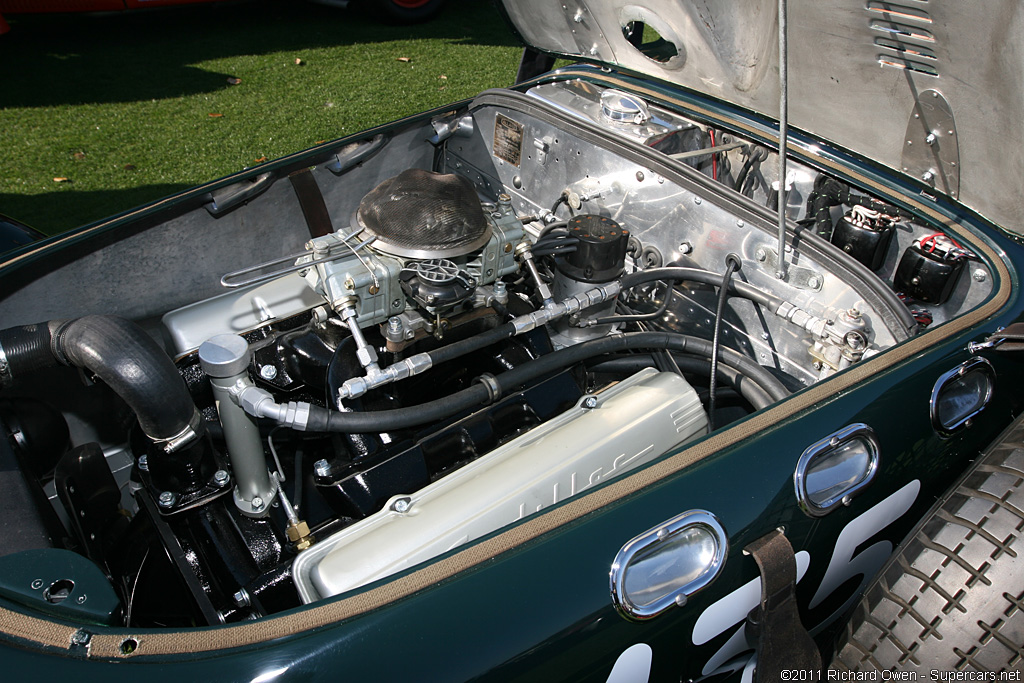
column 404, row 59
column 261, row 160
column 319, row 142
column 299, row 62
column 62, row 180
column 78, row 156
column 215, row 116
column 443, row 77
column 129, row 167
column 234, row 81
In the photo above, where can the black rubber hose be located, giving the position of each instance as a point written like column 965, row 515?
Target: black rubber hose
column 550, row 228
column 27, row 348
column 757, row 155
column 756, row 396
column 132, row 364
column 324, row 420
column 120, row 353
column 738, row 288
column 732, row 264
column 470, row 344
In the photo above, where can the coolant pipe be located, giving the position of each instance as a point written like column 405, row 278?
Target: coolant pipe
column 225, row 359
column 134, row 366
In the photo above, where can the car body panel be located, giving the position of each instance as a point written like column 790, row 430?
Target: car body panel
column 533, row 601
column 858, row 74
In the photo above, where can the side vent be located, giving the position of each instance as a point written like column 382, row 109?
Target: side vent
column 904, row 43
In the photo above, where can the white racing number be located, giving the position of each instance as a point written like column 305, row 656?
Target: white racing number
column 634, row 665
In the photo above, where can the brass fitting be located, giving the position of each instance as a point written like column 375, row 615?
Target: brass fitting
column 298, row 534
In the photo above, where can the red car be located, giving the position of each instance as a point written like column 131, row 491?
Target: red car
column 403, row 11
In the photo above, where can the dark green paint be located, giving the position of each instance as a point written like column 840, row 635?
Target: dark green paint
column 542, row 611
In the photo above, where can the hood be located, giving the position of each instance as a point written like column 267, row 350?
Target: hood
column 930, row 88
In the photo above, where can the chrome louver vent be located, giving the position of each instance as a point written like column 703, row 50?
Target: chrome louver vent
column 904, row 43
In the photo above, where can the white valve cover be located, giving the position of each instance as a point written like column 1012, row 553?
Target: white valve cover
column 632, row 423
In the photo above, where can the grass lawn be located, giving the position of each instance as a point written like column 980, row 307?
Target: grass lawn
column 99, row 113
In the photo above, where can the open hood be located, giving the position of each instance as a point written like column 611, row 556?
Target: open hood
column 926, row 87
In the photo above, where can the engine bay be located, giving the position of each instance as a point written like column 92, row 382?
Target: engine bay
column 518, row 301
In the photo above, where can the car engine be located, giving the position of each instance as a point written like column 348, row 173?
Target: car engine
column 517, row 301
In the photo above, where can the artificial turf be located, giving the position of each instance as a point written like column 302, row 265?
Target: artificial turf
column 102, row 112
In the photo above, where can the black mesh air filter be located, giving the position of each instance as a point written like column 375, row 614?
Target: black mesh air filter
column 420, row 214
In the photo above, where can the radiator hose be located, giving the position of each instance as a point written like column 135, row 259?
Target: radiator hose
column 134, row 366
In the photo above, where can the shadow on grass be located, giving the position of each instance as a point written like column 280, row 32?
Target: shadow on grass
column 54, row 60
column 49, row 210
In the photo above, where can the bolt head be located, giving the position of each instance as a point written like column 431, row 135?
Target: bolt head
column 322, row 468
column 268, row 372
column 402, row 505
column 144, row 462
column 760, row 254
column 257, row 504
column 166, row 499
column 813, row 282
column 697, row 200
column 979, row 275
column 241, row 598
column 221, row 477
column 590, row 402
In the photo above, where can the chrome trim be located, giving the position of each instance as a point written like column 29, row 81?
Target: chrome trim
column 969, row 365
column 658, row 534
column 858, row 430
column 5, row 368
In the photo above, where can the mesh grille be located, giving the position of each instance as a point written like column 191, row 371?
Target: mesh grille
column 421, row 214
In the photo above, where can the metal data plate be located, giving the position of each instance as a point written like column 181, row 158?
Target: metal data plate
column 931, row 150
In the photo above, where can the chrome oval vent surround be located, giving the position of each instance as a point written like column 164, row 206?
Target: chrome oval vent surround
column 960, row 394
column 665, row 565
column 835, row 469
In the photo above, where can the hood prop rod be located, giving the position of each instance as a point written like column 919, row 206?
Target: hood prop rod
column 780, row 273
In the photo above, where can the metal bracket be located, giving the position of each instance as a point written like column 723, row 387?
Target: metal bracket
column 801, row 278
column 931, row 150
